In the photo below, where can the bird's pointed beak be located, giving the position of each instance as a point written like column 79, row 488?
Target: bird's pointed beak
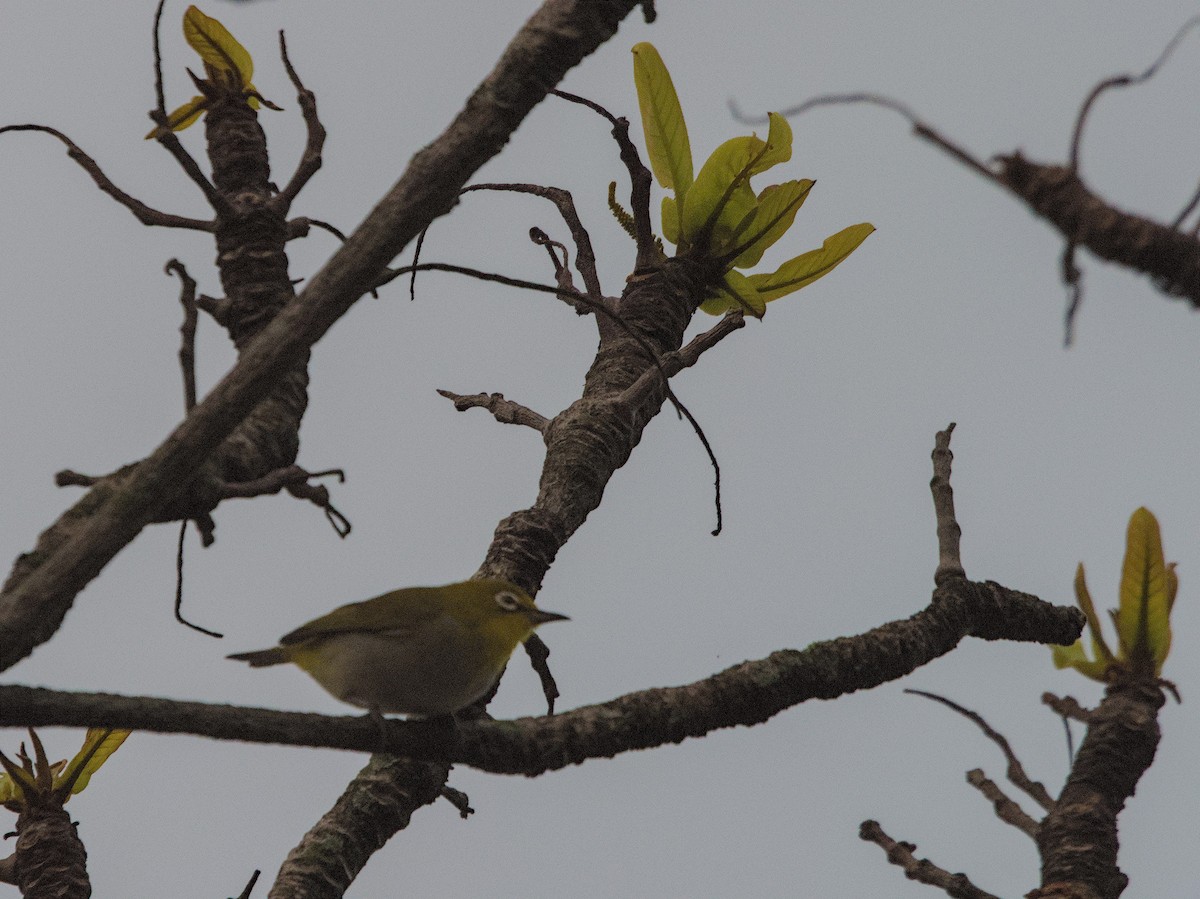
column 538, row 616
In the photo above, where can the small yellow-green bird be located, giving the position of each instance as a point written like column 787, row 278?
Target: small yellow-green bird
column 418, row 651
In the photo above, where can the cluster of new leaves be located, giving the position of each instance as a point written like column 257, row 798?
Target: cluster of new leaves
column 226, row 64
column 717, row 215
column 62, row 779
column 1143, row 619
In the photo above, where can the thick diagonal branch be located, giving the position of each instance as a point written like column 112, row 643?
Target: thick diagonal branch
column 33, row 604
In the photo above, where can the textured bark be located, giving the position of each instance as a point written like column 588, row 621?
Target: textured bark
column 595, row 435
column 1078, row 839
column 50, row 860
column 1056, row 193
column 379, row 801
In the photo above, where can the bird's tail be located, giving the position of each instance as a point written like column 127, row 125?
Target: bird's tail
column 261, row 658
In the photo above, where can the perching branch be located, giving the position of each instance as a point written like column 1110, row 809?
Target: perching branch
column 746, row 695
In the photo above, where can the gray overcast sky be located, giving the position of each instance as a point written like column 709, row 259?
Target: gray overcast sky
column 823, row 417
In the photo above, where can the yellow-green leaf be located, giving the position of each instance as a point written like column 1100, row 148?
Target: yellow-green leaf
column 100, row 742
column 1084, row 599
column 777, row 208
column 735, row 292
column 183, row 117
column 779, row 144
column 724, row 182
column 1142, row 618
column 670, row 220
column 1074, row 657
column 808, row 267
column 1172, row 585
column 216, row 46
column 662, row 119
column 12, row 781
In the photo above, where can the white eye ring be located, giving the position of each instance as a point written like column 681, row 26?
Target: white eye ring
column 508, row 601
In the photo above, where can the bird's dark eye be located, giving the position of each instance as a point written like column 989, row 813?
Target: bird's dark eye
column 508, row 601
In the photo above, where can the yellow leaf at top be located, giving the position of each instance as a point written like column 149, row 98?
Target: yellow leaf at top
column 216, row 46
column 1142, row 619
column 100, row 742
column 662, row 120
column 808, row 267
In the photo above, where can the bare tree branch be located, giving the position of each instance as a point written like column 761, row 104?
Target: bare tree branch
column 958, row 886
column 1016, row 771
column 504, row 411
column 145, row 214
column 1007, row 810
column 746, row 694
column 310, row 159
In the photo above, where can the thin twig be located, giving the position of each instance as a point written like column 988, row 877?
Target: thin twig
column 187, row 344
column 562, row 268
column 159, row 95
column 1016, row 772
column 504, row 411
column 1067, row 707
column 1006, row 809
column 1126, row 80
column 920, row 128
column 165, row 136
column 604, row 310
column 585, row 257
column 310, row 159
column 948, row 531
column 179, row 587
column 298, row 227
column 640, row 179
column 249, row 888
column 1187, row 210
column 958, row 886
column 147, row 215
column 539, row 661
column 1072, row 277
column 294, row 480
column 686, row 356
column 459, row 800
